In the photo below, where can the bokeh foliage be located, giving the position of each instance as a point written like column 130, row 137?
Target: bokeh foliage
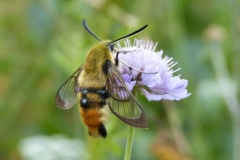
column 43, row 42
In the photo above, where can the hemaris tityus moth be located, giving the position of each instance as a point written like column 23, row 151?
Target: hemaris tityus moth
column 99, row 86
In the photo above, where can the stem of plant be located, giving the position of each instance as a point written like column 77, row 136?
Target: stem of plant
column 128, row 149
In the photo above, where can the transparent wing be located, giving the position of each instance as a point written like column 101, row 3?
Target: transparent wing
column 122, row 103
column 67, row 94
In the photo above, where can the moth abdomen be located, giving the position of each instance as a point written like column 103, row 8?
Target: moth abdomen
column 94, row 110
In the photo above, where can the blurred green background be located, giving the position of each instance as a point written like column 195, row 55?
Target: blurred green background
column 42, row 42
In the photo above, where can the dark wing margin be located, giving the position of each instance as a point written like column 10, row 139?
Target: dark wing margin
column 66, row 96
column 122, row 102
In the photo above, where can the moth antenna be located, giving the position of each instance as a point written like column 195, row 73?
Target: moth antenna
column 131, row 34
column 89, row 30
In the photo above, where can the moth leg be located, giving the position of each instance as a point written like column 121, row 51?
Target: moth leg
column 135, row 68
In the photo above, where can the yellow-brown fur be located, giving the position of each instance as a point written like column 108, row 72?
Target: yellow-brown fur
column 93, row 118
column 93, row 77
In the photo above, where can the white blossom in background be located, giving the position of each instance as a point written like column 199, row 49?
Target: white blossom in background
column 156, row 81
column 52, row 147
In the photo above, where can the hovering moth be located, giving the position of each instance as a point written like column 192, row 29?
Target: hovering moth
column 99, row 87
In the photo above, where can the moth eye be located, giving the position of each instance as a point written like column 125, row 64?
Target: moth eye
column 111, row 47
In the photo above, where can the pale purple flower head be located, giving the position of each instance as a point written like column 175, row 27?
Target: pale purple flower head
column 156, row 80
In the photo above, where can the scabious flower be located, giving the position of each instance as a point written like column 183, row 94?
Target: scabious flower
column 152, row 73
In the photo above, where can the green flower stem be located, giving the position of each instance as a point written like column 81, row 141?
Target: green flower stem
column 128, row 149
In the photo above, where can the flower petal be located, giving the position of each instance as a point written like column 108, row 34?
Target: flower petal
column 140, row 64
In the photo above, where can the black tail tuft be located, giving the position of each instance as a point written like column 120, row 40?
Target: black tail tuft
column 102, row 130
